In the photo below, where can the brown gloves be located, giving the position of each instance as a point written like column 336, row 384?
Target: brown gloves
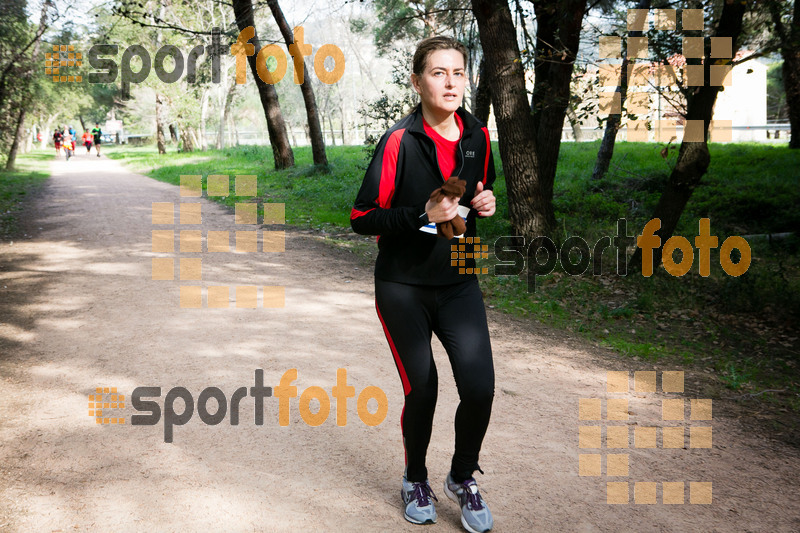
column 453, row 188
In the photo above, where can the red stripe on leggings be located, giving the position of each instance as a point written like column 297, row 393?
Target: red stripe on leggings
column 398, row 362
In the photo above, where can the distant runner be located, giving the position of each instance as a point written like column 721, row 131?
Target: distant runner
column 57, row 138
column 97, row 135
column 87, row 140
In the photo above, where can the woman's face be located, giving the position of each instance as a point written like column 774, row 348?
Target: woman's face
column 441, row 84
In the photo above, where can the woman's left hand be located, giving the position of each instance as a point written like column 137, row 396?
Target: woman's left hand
column 484, row 201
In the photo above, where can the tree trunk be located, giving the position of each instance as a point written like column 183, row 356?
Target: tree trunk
column 482, row 103
column 194, row 139
column 18, row 133
column 282, row 152
column 557, row 39
column 312, row 113
column 790, row 50
column 574, row 123
column 173, row 133
column 693, row 157
column 530, row 216
column 333, row 133
column 160, row 142
column 224, row 113
column 186, row 138
column 203, row 114
column 614, row 120
column 47, row 134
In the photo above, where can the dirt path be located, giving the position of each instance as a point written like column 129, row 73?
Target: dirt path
column 78, row 309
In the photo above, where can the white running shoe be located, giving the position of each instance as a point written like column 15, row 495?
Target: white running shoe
column 417, row 498
column 475, row 514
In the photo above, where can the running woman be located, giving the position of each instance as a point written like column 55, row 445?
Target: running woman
column 87, row 140
column 57, row 138
column 417, row 291
column 97, row 135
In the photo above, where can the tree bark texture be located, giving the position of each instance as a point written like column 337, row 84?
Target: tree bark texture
column 693, row 157
column 281, row 150
column 515, row 128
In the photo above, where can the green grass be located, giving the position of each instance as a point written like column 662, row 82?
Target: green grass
column 743, row 330
column 17, row 186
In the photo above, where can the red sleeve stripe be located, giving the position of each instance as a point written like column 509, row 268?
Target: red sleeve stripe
column 355, row 213
column 488, row 152
column 389, row 168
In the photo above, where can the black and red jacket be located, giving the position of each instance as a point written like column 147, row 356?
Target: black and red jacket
column 403, row 173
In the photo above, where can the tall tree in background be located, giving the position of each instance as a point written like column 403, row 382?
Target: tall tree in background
column 515, row 125
column 25, row 73
column 558, row 34
column 614, row 120
column 693, row 157
column 312, row 113
column 789, row 38
column 282, row 151
column 530, row 133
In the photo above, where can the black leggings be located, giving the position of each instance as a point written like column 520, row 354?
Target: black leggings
column 409, row 314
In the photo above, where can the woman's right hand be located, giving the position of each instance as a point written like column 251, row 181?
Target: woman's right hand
column 443, row 211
